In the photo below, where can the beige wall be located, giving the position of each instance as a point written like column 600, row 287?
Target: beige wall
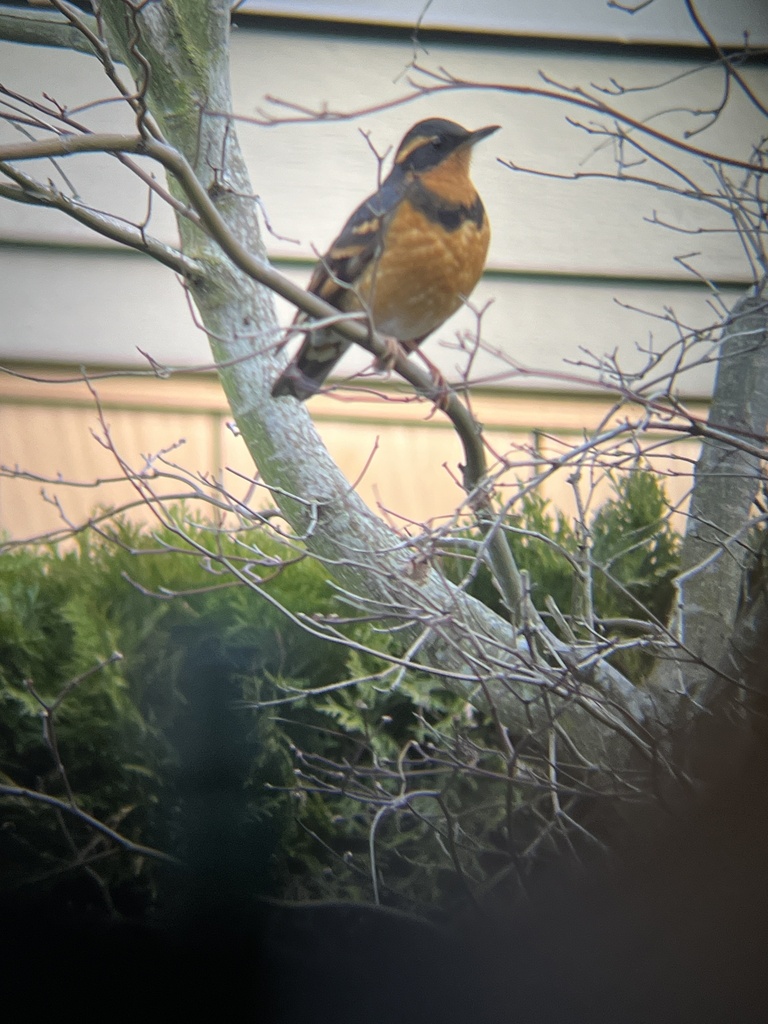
column 406, row 460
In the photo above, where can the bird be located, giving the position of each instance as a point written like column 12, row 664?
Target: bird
column 407, row 257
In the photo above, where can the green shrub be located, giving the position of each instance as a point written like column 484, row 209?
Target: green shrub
column 132, row 734
column 166, row 744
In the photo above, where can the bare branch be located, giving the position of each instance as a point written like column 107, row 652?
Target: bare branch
column 731, row 70
column 22, row 793
column 45, row 28
column 441, row 81
column 28, row 190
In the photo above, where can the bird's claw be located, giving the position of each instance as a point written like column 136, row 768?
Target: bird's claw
column 385, row 363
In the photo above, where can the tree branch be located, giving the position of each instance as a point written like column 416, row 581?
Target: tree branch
column 179, row 55
column 730, row 69
column 716, row 547
column 45, row 28
column 27, row 190
column 20, row 793
column 366, row 558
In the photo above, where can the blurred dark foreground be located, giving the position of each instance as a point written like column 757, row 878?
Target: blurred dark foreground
column 673, row 929
column 678, row 933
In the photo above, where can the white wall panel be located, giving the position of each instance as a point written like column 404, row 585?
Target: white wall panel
column 573, row 247
column 310, row 176
column 101, row 308
column 74, row 80
column 93, row 307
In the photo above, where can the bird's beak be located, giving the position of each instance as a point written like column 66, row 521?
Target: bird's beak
column 480, row 134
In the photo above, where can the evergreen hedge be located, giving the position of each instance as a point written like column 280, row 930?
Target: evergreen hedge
column 135, row 684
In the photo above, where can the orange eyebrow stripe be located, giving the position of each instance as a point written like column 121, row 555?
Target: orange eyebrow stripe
column 407, row 150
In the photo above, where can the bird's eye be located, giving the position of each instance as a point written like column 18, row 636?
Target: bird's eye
column 436, row 141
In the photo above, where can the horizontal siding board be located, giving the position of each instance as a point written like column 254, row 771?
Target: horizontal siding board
column 102, row 307
column 591, row 226
column 32, row 384
column 73, row 80
column 665, row 21
column 46, row 429
column 310, row 176
column 88, row 307
column 57, row 441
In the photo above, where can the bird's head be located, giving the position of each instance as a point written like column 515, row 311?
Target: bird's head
column 436, row 142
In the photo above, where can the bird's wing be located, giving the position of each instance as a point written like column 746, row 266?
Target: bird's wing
column 357, row 245
column 333, row 279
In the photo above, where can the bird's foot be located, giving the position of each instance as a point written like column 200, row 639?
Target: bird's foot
column 442, row 394
column 385, row 363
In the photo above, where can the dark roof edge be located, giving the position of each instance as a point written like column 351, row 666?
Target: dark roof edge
column 300, row 24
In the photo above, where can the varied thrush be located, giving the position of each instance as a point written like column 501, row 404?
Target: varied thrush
column 407, row 257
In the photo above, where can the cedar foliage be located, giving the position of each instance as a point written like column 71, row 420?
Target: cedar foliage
column 168, row 746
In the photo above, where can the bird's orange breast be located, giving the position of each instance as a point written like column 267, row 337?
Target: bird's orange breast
column 422, row 272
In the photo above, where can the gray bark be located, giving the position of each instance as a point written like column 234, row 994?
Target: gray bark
column 729, row 473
